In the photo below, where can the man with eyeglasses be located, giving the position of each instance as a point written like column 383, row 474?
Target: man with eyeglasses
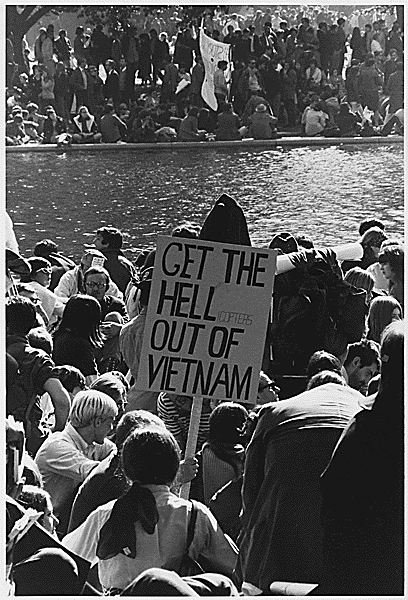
column 96, row 283
column 72, row 282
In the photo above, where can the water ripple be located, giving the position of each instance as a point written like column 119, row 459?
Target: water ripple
column 320, row 192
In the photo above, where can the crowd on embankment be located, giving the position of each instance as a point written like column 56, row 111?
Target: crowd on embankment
column 308, row 71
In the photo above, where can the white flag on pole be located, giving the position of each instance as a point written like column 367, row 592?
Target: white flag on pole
column 212, row 52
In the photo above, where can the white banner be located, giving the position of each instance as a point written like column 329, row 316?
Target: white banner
column 206, row 319
column 212, row 52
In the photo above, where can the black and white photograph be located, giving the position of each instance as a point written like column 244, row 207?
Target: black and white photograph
column 204, row 300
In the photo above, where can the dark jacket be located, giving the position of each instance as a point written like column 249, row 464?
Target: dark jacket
column 119, row 267
column 111, row 87
column 50, row 128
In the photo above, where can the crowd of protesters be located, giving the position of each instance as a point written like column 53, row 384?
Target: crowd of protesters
column 313, row 72
column 304, row 485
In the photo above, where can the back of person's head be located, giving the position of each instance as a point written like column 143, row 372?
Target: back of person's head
column 394, row 256
column 82, row 316
column 323, row 377
column 227, row 422
column 70, row 377
column 113, row 387
column 285, row 242
column 367, row 350
column 20, row 315
column 111, row 236
column 39, row 337
column 44, row 248
column 35, row 497
column 392, row 360
column 150, row 456
column 89, row 405
column 47, row 572
column 380, row 314
column 135, row 419
column 360, row 278
column 36, row 264
column 144, row 285
column 322, row 361
column 193, row 112
column 304, row 241
column 374, row 236
column 186, row 230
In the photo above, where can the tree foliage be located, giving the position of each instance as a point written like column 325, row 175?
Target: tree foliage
column 120, row 17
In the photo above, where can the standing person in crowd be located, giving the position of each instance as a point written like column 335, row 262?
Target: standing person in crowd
column 46, row 96
column 61, row 91
column 220, row 84
column 369, row 83
column 63, row 48
column 47, row 50
column 111, row 88
column 79, row 44
column 145, row 64
column 79, row 83
column 130, row 48
column 78, row 336
column 96, row 98
column 99, row 46
column 357, row 45
column 66, row 458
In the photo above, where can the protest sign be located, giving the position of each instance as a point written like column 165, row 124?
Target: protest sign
column 206, row 319
column 211, row 52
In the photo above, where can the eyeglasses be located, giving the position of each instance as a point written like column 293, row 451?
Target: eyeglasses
column 93, row 285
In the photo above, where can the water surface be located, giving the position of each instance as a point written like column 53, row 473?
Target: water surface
column 322, row 192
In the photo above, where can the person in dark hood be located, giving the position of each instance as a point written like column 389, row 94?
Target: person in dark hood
column 226, row 223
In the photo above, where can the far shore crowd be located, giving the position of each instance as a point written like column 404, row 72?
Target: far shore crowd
column 307, row 72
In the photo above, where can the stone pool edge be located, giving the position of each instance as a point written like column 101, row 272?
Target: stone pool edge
column 246, row 143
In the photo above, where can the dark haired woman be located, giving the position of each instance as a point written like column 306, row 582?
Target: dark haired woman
column 78, row 336
column 147, row 526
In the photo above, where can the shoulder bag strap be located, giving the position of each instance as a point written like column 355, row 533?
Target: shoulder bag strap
column 191, row 526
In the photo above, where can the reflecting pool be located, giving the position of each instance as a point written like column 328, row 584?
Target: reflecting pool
column 322, row 192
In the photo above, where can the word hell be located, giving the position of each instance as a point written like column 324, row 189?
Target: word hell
column 182, row 298
column 213, row 379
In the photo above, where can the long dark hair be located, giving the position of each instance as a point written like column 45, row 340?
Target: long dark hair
column 82, row 317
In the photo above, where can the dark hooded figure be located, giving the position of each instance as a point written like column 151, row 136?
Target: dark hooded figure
column 226, row 223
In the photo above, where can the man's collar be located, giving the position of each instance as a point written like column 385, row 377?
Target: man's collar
column 80, row 442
